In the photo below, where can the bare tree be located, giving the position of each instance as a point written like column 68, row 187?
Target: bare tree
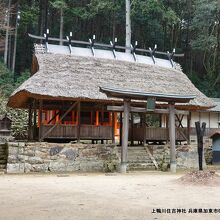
column 61, row 5
column 5, row 12
column 128, row 24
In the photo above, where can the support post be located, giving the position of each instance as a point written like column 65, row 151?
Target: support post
column 167, row 129
column 124, row 149
column 120, row 143
column 132, row 129
column 188, row 127
column 40, row 118
column 144, row 128
column 172, row 137
column 35, row 120
column 79, row 121
column 113, row 127
column 30, row 115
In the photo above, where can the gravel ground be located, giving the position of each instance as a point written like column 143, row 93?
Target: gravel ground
column 133, row 196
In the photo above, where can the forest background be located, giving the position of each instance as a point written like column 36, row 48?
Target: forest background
column 191, row 27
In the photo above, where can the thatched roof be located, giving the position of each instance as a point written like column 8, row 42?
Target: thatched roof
column 69, row 77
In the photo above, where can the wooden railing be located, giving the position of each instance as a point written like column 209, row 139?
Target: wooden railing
column 95, row 132
column 157, row 134
column 60, row 131
column 208, row 131
column 86, row 132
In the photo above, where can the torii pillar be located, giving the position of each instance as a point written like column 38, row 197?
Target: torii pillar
column 125, row 130
column 172, row 134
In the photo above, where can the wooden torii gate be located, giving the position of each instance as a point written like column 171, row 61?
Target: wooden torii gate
column 127, row 96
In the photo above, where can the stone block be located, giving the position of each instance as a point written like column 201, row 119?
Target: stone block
column 41, row 154
column 15, row 168
column 29, row 152
column 35, row 160
column 12, row 150
column 22, row 158
column 27, row 168
column 57, row 166
column 69, row 153
column 55, row 150
column 92, row 166
column 40, row 168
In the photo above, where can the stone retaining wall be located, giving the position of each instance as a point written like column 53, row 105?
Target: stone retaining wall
column 186, row 156
column 51, row 157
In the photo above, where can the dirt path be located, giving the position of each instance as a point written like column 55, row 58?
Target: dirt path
column 98, row 196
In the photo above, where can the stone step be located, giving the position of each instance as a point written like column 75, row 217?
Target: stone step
column 141, row 166
column 140, row 162
column 2, row 171
column 133, row 148
column 2, row 167
column 3, row 148
column 139, row 156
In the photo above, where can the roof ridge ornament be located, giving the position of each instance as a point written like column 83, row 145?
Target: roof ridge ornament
column 46, row 36
column 152, row 53
column 170, row 56
column 113, row 47
column 69, row 38
column 92, row 42
column 133, row 50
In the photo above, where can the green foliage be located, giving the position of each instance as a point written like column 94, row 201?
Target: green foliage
column 29, row 15
column 111, row 166
column 8, row 83
column 7, row 86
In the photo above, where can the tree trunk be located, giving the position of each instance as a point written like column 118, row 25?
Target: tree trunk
column 61, row 26
column 7, row 33
column 128, row 25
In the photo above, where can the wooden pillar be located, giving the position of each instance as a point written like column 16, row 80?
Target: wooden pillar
column 113, row 127
column 172, row 138
column 132, row 129
column 120, row 142
column 188, row 127
column 35, row 120
column 167, row 128
column 144, row 128
column 79, row 121
column 124, row 149
column 97, row 118
column 40, row 119
column 30, row 115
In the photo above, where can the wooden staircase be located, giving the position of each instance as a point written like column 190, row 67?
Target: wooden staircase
column 3, row 157
column 138, row 159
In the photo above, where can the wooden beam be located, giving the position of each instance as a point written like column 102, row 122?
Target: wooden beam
column 124, row 149
column 30, row 115
column 35, row 119
column 172, row 138
column 144, row 110
column 53, row 118
column 188, row 127
column 40, row 118
column 144, row 128
column 57, row 123
column 113, row 128
column 152, row 158
column 79, row 121
column 132, row 129
column 121, row 123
